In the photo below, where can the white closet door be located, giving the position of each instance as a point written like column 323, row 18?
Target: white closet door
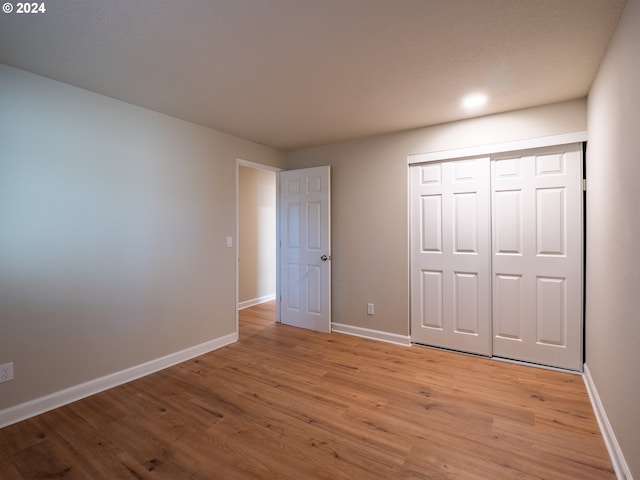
column 451, row 255
column 537, row 256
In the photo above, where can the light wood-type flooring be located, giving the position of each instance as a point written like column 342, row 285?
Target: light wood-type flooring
column 286, row 403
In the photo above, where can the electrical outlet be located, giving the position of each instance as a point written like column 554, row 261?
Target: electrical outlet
column 6, row 372
column 370, row 309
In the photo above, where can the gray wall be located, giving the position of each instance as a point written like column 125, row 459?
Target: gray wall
column 613, row 234
column 256, row 233
column 369, row 204
column 113, row 221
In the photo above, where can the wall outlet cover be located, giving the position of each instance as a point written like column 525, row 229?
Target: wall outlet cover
column 6, row 372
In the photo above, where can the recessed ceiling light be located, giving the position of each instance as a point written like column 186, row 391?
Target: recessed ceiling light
column 474, row 100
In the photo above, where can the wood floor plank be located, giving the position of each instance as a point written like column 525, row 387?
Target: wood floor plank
column 286, row 403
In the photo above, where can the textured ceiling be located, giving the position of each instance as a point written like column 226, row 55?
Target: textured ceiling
column 297, row 73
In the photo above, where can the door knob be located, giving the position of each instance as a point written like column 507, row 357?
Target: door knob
column 324, row 258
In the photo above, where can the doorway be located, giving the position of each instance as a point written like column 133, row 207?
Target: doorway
column 283, row 248
column 256, row 203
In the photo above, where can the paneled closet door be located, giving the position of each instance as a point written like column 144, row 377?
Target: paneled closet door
column 451, row 255
column 537, row 256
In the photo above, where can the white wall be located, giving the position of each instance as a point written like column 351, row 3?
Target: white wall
column 256, row 234
column 369, row 204
column 613, row 235
column 113, row 222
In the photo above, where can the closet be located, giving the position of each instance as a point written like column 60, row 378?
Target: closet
column 496, row 255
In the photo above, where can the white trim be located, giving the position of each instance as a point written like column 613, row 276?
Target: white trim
column 256, row 301
column 278, row 252
column 259, row 166
column 40, row 405
column 371, row 334
column 617, row 458
column 478, row 150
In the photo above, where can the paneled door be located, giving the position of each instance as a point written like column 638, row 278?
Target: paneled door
column 496, row 255
column 451, row 255
column 537, row 256
column 305, row 248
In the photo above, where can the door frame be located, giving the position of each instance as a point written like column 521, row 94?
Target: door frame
column 259, row 166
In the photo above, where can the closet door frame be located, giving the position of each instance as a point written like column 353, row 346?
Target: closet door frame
column 489, row 150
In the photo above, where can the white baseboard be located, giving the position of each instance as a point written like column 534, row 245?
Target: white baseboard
column 256, row 301
column 617, row 458
column 40, row 405
column 371, row 334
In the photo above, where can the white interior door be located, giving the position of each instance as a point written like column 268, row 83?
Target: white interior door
column 305, row 248
column 537, row 256
column 451, row 255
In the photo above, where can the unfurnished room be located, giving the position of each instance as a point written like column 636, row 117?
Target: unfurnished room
column 319, row 239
